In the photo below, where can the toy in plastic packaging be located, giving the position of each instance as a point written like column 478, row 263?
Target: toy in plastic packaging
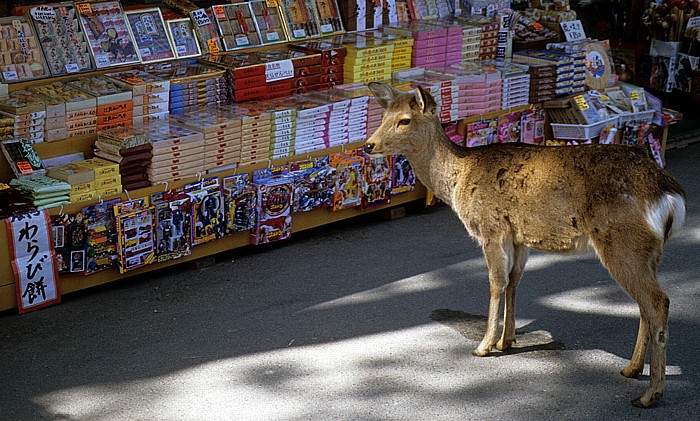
column 240, row 199
column 274, row 207
column 376, row 184
column 208, row 219
column 101, row 246
column 403, row 178
column 173, row 210
column 135, row 234
column 348, row 186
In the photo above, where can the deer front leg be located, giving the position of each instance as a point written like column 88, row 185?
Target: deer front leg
column 497, row 262
column 516, row 272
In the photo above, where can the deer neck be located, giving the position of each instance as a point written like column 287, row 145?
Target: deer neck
column 439, row 165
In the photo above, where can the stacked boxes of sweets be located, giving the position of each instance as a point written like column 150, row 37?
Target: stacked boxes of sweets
column 358, row 109
column 543, row 81
column 222, row 135
column 177, row 151
column 368, row 58
column 21, row 58
column 454, row 39
column 255, row 134
column 269, row 74
column 480, row 85
column 22, row 115
column 488, row 31
column 68, row 107
column 429, row 42
column 563, row 63
column 150, row 94
column 80, row 178
column 311, row 124
column 114, row 102
column 342, row 110
column 283, row 116
column 131, row 150
column 515, row 81
column 106, row 182
column 403, row 46
column 192, row 84
column 332, row 59
column 442, row 86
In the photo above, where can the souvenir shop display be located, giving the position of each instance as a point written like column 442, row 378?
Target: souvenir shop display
column 62, row 38
column 207, row 204
column 402, row 177
column 236, row 26
column 349, row 176
column 269, row 21
column 173, row 218
column 301, row 20
column 150, row 35
column 21, row 58
column 376, row 184
column 101, row 235
column 184, row 38
column 111, row 43
column 207, row 33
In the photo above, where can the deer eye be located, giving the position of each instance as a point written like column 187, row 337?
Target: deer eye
column 404, row 122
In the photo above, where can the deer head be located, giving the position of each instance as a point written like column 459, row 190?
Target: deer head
column 408, row 123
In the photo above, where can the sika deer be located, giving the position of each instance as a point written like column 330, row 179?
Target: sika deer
column 513, row 197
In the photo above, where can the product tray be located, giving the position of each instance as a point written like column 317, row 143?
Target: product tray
column 624, row 118
column 580, row 131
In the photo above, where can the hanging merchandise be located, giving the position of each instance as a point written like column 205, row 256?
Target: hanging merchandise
column 208, row 220
column 376, row 184
column 173, row 212
column 135, row 234
column 482, row 132
column 240, row 200
column 402, row 177
column 348, row 186
column 509, row 127
column 69, row 236
column 101, row 241
column 274, row 207
column 109, row 39
column 313, row 183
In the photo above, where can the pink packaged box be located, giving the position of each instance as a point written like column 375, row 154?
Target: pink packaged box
column 425, row 60
column 453, row 57
column 429, row 43
column 435, row 50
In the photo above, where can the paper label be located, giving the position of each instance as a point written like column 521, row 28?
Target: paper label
column 279, row 70
column 44, row 14
column 200, row 17
column 573, row 31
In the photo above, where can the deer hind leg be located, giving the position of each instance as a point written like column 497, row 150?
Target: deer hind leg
column 498, row 257
column 517, row 264
column 633, row 262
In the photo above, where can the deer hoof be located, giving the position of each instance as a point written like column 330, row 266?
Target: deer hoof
column 643, row 402
column 504, row 345
column 630, row 372
column 480, row 352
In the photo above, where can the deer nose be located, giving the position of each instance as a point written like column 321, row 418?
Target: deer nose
column 368, row 147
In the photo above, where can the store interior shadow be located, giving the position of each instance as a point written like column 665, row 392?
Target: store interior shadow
column 472, row 327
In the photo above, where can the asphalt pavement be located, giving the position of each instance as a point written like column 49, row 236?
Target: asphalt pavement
column 369, row 319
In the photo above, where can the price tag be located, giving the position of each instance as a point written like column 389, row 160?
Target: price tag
column 72, row 67
column 573, row 31
column 634, row 95
column 691, row 31
column 219, row 12
column 271, row 3
column 327, row 28
column 581, row 103
column 44, row 14
column 279, row 70
column 213, row 46
column 200, row 17
column 84, row 9
column 299, row 33
column 242, row 40
column 604, row 98
column 10, row 75
column 25, row 167
column 272, row 36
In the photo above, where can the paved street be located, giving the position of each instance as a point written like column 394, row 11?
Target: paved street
column 364, row 320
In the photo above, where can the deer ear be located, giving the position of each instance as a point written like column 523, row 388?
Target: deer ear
column 425, row 101
column 383, row 93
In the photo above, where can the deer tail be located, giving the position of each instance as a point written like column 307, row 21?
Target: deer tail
column 667, row 215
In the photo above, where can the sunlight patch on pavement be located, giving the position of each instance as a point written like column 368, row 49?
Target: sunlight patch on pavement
column 600, row 300
column 415, row 284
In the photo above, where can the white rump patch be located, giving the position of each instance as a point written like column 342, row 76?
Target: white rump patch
column 659, row 212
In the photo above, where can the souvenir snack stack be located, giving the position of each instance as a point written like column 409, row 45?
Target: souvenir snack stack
column 177, row 151
column 563, row 63
column 283, row 115
column 69, row 106
column 236, row 26
column 44, row 192
column 268, row 18
column 81, row 179
column 222, row 135
column 359, row 110
column 471, row 42
column 403, row 46
column 429, row 42
column 332, row 60
column 543, row 82
column 22, row 157
column 192, row 85
column 488, row 47
column 481, row 86
column 245, row 76
column 339, row 126
column 444, row 89
column 150, row 94
column 129, row 147
column 303, row 76
column 22, row 115
column 21, row 58
column 454, row 39
column 368, row 58
column 62, row 38
column 515, row 81
column 255, row 135
column 114, row 104
column 311, row 125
